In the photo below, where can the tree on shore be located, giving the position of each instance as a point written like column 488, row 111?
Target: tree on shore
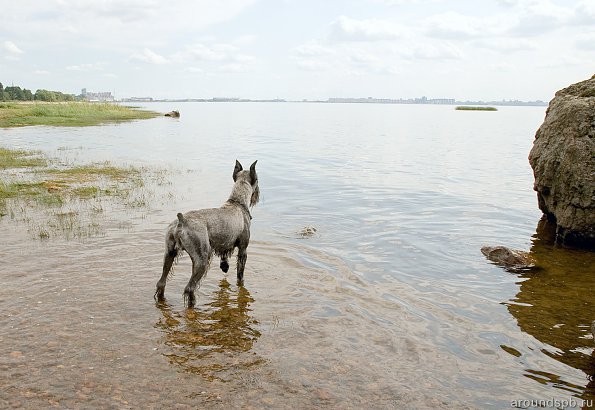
column 15, row 93
column 45, row 95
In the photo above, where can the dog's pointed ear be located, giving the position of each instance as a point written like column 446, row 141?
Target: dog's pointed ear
column 237, row 169
column 253, row 176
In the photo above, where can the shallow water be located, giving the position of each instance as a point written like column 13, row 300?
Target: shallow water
column 389, row 304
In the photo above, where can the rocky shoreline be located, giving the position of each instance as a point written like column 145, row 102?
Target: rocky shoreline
column 563, row 162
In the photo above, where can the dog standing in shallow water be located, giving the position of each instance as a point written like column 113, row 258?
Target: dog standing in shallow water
column 217, row 230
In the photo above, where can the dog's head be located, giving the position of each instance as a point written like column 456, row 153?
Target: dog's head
column 250, row 177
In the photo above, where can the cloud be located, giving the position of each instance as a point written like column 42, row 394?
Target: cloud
column 41, row 72
column 312, row 49
column 523, row 18
column 452, row 25
column 535, row 17
column 434, row 51
column 562, row 62
column 213, row 53
column 194, row 70
column 508, row 3
column 202, row 52
column 235, row 68
column 313, row 65
column 506, row 44
column 150, row 57
column 502, row 67
column 456, row 26
column 364, row 58
column 584, row 13
column 347, row 29
column 402, row 2
column 586, row 41
column 117, row 22
column 348, row 58
column 133, row 12
column 12, row 51
column 371, row 63
column 244, row 40
column 86, row 67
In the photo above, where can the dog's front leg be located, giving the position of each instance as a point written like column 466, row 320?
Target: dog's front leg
column 224, row 265
column 242, row 257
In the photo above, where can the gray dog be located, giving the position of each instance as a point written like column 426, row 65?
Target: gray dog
column 217, row 230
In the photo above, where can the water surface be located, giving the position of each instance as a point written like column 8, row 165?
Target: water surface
column 390, row 304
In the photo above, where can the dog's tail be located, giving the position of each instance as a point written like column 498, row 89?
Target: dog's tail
column 181, row 220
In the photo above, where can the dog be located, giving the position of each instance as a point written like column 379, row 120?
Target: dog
column 217, row 230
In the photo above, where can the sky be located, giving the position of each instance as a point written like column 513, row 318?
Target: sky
column 299, row 49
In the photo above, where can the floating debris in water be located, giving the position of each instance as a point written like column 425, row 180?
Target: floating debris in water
column 307, row 232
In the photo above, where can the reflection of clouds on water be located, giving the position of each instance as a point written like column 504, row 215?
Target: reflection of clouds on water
column 555, row 305
column 212, row 339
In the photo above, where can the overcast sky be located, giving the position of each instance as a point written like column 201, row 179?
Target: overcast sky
column 295, row 49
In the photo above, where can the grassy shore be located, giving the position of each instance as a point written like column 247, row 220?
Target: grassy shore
column 55, row 199
column 67, row 114
column 468, row 108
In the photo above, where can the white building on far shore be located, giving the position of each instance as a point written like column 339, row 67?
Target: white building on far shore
column 104, row 96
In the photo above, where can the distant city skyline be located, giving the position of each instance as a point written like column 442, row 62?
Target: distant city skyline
column 335, row 100
column 107, row 96
column 290, row 49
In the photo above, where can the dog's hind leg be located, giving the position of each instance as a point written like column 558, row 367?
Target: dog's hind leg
column 196, row 244
column 200, row 265
column 168, row 260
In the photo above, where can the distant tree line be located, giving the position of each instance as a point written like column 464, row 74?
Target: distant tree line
column 14, row 93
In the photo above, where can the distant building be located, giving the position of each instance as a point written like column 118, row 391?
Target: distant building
column 441, row 101
column 138, row 99
column 105, row 96
column 224, row 99
column 371, row 100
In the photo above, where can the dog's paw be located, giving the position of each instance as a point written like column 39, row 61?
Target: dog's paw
column 159, row 295
column 189, row 298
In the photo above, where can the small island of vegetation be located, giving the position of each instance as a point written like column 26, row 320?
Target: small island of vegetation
column 21, row 107
column 469, row 108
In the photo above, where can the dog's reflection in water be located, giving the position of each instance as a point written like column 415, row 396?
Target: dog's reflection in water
column 212, row 339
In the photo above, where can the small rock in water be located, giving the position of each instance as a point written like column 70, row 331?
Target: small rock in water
column 507, row 257
column 173, row 114
column 307, row 232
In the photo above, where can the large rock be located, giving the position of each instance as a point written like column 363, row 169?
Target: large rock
column 563, row 162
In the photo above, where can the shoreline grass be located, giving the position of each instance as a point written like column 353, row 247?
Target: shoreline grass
column 11, row 158
column 470, row 108
column 66, row 200
column 68, row 114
